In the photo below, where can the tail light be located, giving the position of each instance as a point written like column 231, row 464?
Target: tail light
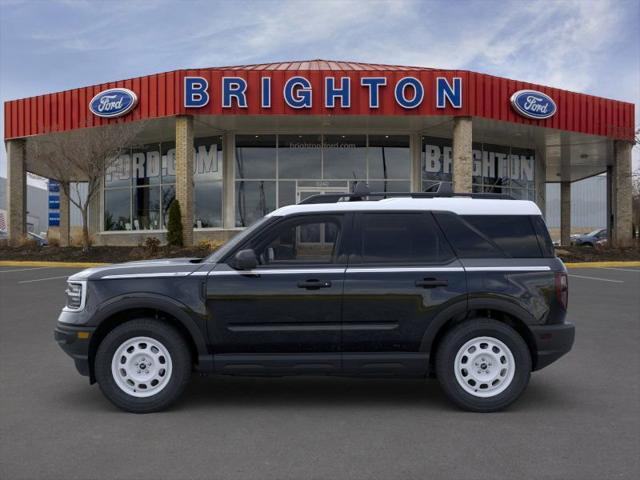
column 562, row 289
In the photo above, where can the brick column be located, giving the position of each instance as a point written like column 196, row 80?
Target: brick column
column 462, row 154
column 415, row 147
column 16, row 191
column 228, row 180
column 65, row 216
column 184, row 174
column 621, row 234
column 565, row 213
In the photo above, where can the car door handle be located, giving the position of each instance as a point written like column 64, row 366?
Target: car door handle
column 431, row 283
column 314, row 284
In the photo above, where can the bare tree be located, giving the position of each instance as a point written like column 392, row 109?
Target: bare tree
column 82, row 156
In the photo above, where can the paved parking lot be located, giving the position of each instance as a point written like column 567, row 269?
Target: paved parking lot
column 579, row 419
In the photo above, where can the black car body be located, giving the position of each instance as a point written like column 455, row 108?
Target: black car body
column 372, row 288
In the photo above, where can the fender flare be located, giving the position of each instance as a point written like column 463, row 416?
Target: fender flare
column 178, row 310
column 462, row 307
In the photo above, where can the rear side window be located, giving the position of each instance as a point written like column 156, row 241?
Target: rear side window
column 410, row 238
column 513, row 234
column 467, row 241
column 546, row 245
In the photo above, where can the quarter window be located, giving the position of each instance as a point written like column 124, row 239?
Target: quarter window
column 514, row 234
column 411, row 238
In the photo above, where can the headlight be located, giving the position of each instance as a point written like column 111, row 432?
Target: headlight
column 76, row 295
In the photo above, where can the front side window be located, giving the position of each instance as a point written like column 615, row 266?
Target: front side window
column 306, row 240
column 402, row 238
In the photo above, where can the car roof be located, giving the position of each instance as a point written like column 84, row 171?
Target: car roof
column 459, row 205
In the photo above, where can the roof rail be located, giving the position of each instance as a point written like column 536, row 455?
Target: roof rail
column 359, row 196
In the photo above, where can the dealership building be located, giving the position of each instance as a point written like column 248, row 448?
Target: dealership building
column 234, row 143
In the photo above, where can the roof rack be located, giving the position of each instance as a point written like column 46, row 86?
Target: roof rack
column 372, row 196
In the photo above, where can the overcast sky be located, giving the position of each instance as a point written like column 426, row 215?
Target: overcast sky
column 582, row 45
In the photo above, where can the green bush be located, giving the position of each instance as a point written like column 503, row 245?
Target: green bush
column 174, row 227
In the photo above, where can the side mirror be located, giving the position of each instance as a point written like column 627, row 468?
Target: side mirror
column 245, row 260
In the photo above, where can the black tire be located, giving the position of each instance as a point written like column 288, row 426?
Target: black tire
column 173, row 342
column 456, row 338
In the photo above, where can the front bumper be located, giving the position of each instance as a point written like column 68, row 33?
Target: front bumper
column 74, row 340
column 552, row 342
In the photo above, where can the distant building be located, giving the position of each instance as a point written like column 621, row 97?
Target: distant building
column 37, row 207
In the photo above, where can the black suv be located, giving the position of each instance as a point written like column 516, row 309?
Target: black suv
column 464, row 289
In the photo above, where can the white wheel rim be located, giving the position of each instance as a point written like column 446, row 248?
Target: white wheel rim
column 484, row 367
column 141, row 367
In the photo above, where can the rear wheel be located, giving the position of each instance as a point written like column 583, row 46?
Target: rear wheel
column 143, row 365
column 483, row 365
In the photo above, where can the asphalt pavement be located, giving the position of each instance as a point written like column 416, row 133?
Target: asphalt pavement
column 579, row 418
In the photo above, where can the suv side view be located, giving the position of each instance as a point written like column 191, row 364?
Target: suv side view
column 462, row 288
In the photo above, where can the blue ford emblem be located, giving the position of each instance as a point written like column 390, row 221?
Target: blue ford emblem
column 114, row 102
column 533, row 104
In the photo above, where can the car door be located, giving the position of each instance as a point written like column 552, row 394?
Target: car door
column 401, row 274
column 291, row 303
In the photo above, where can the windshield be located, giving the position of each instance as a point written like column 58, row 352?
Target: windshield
column 594, row 233
column 239, row 238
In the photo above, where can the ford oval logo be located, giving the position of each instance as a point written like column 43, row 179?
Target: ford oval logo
column 114, row 102
column 533, row 104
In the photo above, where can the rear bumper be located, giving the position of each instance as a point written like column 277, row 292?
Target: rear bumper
column 74, row 341
column 552, row 342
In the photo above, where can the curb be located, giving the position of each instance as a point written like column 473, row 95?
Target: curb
column 601, row 264
column 20, row 263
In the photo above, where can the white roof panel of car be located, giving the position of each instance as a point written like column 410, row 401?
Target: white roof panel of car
column 459, row 205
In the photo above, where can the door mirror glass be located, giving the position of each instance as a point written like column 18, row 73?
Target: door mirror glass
column 245, row 260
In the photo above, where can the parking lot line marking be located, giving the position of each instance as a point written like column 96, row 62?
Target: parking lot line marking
column 43, row 279
column 621, row 269
column 23, row 269
column 597, row 278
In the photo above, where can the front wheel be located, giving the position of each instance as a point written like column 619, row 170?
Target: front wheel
column 143, row 365
column 483, row 365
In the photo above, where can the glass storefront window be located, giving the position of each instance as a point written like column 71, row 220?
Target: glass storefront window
column 496, row 168
column 389, row 156
column 117, row 209
column 436, row 162
column 255, row 156
column 208, row 204
column 254, row 199
column 345, row 156
column 149, row 171
column 146, row 208
column 300, row 156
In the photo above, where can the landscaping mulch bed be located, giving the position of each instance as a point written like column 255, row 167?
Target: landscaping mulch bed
column 590, row 254
column 127, row 254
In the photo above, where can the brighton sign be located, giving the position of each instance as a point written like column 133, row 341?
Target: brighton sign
column 298, row 93
column 533, row 104
column 113, row 103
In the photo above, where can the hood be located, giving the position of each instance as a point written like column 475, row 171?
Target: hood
column 169, row 267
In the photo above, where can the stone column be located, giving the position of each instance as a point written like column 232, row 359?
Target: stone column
column 65, row 216
column 462, row 154
column 228, row 181
column 16, row 191
column 565, row 213
column 415, row 147
column 184, row 174
column 621, row 234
